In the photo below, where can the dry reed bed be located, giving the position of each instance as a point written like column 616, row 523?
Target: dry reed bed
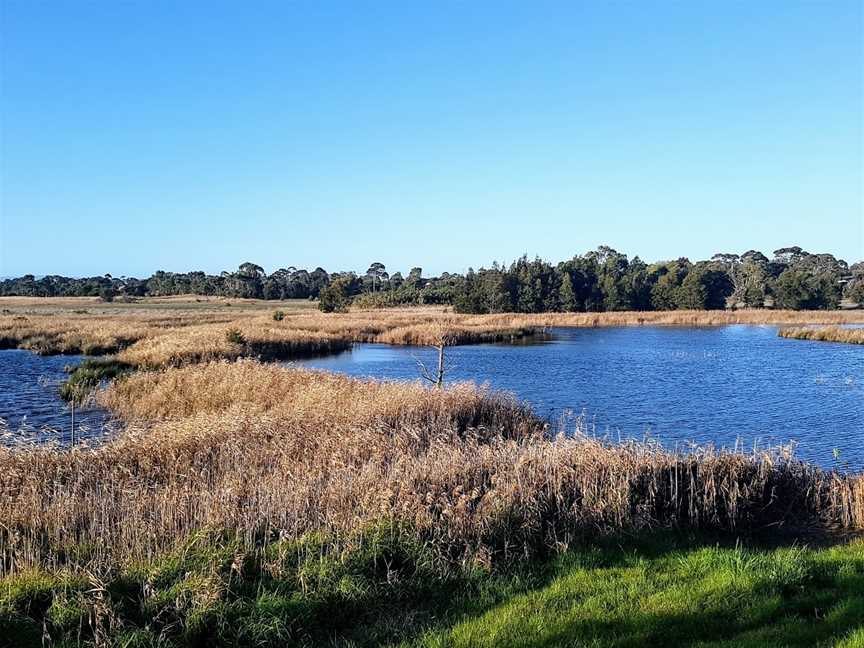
column 158, row 338
column 69, row 332
column 679, row 318
column 303, row 333
column 275, row 452
column 255, row 337
column 155, row 337
column 825, row 334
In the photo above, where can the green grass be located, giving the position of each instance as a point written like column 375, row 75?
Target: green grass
column 88, row 375
column 386, row 589
column 708, row 596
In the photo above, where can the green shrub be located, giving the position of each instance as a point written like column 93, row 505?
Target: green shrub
column 235, row 336
column 87, row 376
column 334, row 298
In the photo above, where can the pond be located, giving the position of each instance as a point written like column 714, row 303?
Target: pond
column 729, row 386
column 30, row 404
column 734, row 386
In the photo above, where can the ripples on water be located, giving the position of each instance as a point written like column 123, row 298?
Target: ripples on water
column 30, row 406
column 734, row 386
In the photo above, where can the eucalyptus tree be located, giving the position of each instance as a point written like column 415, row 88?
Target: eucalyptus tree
column 377, row 272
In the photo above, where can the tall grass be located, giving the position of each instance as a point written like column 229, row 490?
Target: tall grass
column 171, row 334
column 261, row 338
column 72, row 332
column 825, row 334
column 268, row 452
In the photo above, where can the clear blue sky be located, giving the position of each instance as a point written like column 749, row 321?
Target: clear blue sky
column 139, row 136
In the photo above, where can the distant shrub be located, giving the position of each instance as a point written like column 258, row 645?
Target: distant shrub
column 106, row 294
column 334, row 298
column 279, row 315
column 235, row 336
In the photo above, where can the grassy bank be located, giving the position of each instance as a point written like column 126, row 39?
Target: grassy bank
column 825, row 334
column 670, row 594
column 382, row 588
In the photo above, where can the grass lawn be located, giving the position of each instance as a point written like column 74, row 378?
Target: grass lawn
column 664, row 591
column 663, row 596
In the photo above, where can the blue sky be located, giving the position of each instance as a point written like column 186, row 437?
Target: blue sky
column 139, row 136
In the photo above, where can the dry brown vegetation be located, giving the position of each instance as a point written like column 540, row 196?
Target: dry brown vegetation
column 157, row 337
column 825, row 334
column 91, row 332
column 271, row 452
column 173, row 332
column 702, row 318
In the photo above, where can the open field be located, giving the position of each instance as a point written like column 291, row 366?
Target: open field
column 172, row 302
column 825, row 334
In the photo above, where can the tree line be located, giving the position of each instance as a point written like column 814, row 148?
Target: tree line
column 600, row 280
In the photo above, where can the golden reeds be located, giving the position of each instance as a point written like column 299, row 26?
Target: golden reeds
column 269, row 452
column 172, row 333
column 825, row 334
column 71, row 332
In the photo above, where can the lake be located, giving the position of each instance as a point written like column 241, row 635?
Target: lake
column 30, row 403
column 728, row 385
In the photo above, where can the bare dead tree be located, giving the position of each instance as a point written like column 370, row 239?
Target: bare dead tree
column 436, row 377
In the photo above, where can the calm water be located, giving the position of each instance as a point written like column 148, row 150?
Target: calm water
column 729, row 385
column 30, row 404
column 726, row 385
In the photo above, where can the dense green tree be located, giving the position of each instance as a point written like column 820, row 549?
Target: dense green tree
column 566, row 294
column 377, row 273
column 638, row 284
column 611, row 275
column 704, row 288
column 854, row 284
column 248, row 281
column 798, row 290
column 602, row 279
column 335, row 298
column 469, row 297
column 666, row 279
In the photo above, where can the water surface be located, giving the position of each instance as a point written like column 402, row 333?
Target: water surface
column 30, row 403
column 732, row 385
